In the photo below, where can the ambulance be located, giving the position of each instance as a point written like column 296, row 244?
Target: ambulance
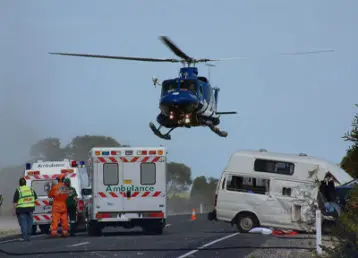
column 41, row 175
column 128, row 189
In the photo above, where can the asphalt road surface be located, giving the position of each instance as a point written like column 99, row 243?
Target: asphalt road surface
column 181, row 238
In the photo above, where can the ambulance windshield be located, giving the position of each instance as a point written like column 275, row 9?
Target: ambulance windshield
column 42, row 187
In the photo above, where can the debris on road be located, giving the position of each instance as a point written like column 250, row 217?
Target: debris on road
column 261, row 230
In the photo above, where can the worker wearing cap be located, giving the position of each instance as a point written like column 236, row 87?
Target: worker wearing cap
column 71, row 204
column 59, row 194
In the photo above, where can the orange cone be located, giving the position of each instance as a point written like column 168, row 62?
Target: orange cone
column 193, row 214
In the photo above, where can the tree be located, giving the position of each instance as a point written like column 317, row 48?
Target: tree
column 178, row 177
column 350, row 161
column 80, row 146
column 200, row 187
column 346, row 229
column 203, row 189
column 47, row 149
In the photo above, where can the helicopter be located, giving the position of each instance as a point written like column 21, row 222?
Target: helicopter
column 188, row 100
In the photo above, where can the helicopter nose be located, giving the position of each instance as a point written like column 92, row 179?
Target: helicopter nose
column 179, row 100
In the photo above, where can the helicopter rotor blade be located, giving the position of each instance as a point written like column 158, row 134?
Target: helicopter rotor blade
column 268, row 56
column 119, row 57
column 175, row 49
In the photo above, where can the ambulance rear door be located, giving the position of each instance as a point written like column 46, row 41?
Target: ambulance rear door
column 41, row 185
column 107, row 176
column 144, row 180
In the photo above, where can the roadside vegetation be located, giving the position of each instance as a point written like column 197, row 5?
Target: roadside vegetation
column 346, row 228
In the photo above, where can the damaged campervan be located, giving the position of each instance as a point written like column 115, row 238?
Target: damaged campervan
column 279, row 190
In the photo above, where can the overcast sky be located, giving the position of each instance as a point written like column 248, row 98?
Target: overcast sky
column 285, row 104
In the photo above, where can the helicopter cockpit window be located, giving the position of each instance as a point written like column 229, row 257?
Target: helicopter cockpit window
column 188, row 85
column 169, row 86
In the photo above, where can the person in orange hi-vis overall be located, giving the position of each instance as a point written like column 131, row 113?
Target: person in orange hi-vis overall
column 59, row 194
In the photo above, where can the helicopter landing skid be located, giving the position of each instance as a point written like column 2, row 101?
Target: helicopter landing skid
column 158, row 133
column 216, row 129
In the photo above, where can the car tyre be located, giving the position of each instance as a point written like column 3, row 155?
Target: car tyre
column 246, row 222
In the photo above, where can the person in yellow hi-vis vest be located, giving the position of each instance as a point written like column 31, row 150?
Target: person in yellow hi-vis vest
column 24, row 206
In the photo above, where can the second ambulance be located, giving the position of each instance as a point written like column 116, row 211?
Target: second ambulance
column 41, row 175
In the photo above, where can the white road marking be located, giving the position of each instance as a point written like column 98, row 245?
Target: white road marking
column 18, row 239
column 167, row 225
column 79, row 244
column 208, row 244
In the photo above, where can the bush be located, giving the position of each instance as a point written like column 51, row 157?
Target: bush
column 346, row 230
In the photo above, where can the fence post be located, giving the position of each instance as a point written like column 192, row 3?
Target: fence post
column 201, row 208
column 318, row 232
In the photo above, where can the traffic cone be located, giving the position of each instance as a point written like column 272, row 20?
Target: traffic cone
column 193, row 214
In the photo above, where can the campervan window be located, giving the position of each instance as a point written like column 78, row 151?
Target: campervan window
column 247, row 184
column 274, row 166
column 110, row 174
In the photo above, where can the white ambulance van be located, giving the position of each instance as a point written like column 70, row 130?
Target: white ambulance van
column 41, row 175
column 129, row 189
column 261, row 188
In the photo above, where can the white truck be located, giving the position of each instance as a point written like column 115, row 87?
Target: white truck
column 261, row 188
column 41, row 175
column 129, row 188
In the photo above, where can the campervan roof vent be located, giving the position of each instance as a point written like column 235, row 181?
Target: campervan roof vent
column 263, row 150
column 302, row 154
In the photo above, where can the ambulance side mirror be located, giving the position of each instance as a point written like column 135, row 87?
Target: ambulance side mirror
column 86, row 191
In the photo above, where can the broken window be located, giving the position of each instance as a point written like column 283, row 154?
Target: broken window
column 248, row 184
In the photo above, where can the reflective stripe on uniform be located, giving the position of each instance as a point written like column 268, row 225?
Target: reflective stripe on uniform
column 26, row 197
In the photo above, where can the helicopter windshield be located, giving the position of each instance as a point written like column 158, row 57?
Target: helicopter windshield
column 188, row 85
column 169, row 86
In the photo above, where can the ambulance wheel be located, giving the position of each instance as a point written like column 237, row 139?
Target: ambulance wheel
column 93, row 229
column 45, row 229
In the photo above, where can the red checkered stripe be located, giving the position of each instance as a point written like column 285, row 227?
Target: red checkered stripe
column 39, row 177
column 135, row 194
column 153, row 159
column 42, row 202
column 43, row 217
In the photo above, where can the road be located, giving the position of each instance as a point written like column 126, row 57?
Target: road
column 181, row 238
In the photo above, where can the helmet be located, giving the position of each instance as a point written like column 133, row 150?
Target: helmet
column 67, row 181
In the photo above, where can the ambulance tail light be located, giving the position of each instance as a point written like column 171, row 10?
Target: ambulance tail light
column 103, row 215
column 82, row 163
column 28, row 166
column 73, row 163
column 158, row 214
